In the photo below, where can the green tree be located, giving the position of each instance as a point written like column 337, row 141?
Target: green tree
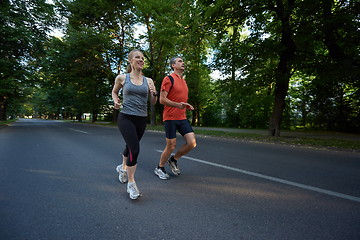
column 171, row 32
column 94, row 48
column 24, row 26
column 338, row 74
column 78, row 75
column 315, row 39
column 161, row 36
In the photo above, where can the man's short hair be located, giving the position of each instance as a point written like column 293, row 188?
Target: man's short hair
column 173, row 60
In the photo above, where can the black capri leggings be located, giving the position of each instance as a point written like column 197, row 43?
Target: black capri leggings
column 132, row 129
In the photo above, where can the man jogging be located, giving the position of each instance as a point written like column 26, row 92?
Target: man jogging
column 174, row 97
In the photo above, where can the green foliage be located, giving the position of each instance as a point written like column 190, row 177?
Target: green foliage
column 290, row 62
column 78, row 69
column 23, row 27
column 326, row 61
column 171, row 32
column 77, row 80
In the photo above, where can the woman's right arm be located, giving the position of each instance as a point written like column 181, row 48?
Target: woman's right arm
column 119, row 82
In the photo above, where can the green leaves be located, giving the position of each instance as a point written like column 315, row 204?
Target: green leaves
column 315, row 39
column 24, row 26
column 262, row 48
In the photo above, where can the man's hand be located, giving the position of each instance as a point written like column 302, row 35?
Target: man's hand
column 187, row 106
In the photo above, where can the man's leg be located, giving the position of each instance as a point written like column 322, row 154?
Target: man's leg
column 190, row 143
column 169, row 148
column 160, row 169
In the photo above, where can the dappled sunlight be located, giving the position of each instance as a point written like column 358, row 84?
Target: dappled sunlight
column 234, row 188
column 64, row 178
column 108, row 187
column 52, row 174
column 42, row 171
column 72, row 187
column 203, row 187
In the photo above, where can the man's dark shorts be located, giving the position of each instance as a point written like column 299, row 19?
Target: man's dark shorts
column 183, row 126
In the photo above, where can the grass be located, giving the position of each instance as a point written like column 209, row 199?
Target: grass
column 5, row 123
column 335, row 144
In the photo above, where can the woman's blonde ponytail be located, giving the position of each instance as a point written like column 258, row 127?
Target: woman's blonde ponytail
column 128, row 68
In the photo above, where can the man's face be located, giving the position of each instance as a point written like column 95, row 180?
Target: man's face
column 179, row 64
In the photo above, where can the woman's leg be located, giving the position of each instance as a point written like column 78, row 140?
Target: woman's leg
column 132, row 128
column 140, row 124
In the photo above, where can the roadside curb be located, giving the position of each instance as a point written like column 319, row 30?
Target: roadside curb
column 4, row 126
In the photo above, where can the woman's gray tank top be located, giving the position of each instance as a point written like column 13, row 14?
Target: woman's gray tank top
column 135, row 97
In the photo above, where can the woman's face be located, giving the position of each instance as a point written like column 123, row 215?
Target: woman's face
column 137, row 60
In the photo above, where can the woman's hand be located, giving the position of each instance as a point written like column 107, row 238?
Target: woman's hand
column 117, row 104
column 152, row 91
column 152, row 88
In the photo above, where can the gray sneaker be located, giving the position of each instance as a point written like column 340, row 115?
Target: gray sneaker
column 123, row 178
column 174, row 167
column 161, row 174
column 133, row 191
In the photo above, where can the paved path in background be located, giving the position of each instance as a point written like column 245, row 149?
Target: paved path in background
column 325, row 135
column 285, row 133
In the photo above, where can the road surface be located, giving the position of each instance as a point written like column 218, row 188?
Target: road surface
column 58, row 181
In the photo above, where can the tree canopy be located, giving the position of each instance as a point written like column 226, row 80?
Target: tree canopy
column 280, row 63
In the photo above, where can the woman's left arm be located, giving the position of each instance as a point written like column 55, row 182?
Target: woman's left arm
column 152, row 91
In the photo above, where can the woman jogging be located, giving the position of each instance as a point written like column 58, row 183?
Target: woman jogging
column 132, row 118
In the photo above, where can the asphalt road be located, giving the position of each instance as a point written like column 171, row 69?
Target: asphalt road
column 58, row 181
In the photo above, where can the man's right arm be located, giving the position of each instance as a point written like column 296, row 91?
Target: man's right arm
column 167, row 102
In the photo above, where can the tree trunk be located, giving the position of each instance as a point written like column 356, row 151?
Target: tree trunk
column 330, row 41
column 195, row 120
column 3, row 108
column 115, row 115
column 78, row 117
column 155, row 72
column 279, row 106
column 94, row 117
column 282, row 76
column 152, row 115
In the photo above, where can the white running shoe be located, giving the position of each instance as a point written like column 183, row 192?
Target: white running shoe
column 123, row 178
column 133, row 190
column 174, row 167
column 161, row 174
